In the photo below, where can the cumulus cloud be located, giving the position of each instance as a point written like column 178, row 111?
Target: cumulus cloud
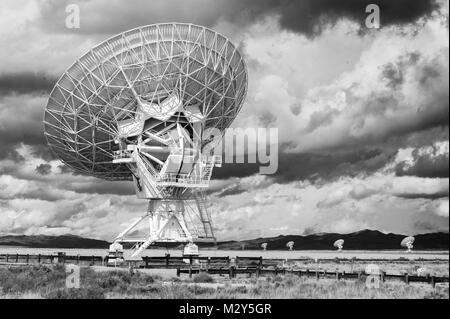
column 431, row 161
column 361, row 106
column 362, row 117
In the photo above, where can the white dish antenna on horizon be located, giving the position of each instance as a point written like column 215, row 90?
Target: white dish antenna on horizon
column 339, row 244
column 290, row 245
column 408, row 243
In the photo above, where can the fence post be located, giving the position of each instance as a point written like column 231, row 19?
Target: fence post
column 406, row 278
column 39, row 258
column 178, row 272
column 28, row 258
column 257, row 272
column 167, row 260
column 231, row 272
column 61, row 258
column 433, row 281
column 383, row 276
column 7, row 257
column 337, row 274
column 317, row 275
column 17, row 258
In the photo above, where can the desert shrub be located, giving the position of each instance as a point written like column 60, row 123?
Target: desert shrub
column 290, row 281
column 120, row 281
column 238, row 290
column 203, row 277
column 437, row 294
column 37, row 277
column 278, row 278
column 81, row 293
column 198, row 290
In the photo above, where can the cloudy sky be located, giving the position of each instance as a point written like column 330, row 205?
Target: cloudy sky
column 363, row 116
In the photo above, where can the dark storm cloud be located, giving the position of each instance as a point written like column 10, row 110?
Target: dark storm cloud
column 21, row 122
column 43, row 151
column 429, row 223
column 25, row 82
column 321, row 118
column 424, row 196
column 43, row 169
column 310, row 166
column 11, row 154
column 425, row 165
column 99, row 186
column 64, row 169
column 308, row 17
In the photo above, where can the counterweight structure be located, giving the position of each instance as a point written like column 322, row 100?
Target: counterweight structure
column 142, row 106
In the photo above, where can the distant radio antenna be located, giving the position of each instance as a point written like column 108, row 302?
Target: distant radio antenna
column 339, row 244
column 408, row 242
column 290, row 245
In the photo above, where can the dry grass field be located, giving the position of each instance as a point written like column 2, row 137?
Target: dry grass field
column 49, row 282
column 395, row 268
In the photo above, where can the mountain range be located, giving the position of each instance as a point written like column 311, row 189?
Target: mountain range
column 361, row 240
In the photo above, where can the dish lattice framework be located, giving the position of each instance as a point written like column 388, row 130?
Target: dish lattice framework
column 101, row 89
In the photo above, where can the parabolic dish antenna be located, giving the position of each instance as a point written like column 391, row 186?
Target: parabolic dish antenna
column 339, row 244
column 290, row 245
column 138, row 106
column 408, row 243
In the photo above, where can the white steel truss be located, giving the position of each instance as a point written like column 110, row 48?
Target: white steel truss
column 136, row 106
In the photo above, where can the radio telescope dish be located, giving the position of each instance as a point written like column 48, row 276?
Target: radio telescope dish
column 140, row 106
column 408, row 242
column 264, row 246
column 339, row 244
column 290, row 245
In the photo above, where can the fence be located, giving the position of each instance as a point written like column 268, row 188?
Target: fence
column 232, row 272
column 228, row 266
column 52, row 259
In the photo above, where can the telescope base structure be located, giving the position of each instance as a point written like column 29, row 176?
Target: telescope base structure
column 168, row 221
